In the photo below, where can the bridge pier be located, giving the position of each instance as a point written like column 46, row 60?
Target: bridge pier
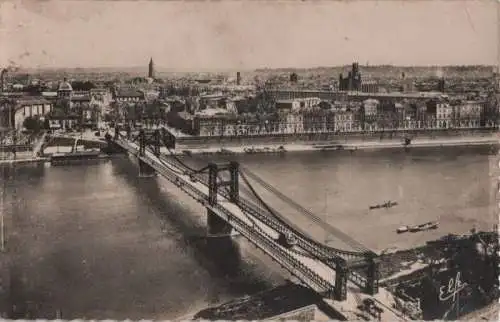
column 217, row 227
column 340, row 291
column 145, row 170
column 373, row 276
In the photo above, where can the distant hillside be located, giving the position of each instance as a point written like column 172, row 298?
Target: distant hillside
column 383, row 71
column 391, row 71
column 135, row 71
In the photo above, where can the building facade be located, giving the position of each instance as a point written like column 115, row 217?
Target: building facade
column 29, row 107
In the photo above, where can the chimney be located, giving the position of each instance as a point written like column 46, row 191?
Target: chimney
column 238, row 78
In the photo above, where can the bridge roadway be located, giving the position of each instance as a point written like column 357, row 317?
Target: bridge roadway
column 313, row 272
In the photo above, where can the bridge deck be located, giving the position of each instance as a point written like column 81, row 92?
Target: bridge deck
column 313, row 272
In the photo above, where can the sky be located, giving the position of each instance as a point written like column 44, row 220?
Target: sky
column 247, row 34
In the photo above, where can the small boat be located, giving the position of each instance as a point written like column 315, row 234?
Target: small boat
column 402, row 229
column 426, row 226
column 415, row 228
column 387, row 204
column 430, row 225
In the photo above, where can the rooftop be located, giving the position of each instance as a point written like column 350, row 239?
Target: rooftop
column 65, row 86
column 31, row 100
column 128, row 92
column 82, row 98
column 212, row 112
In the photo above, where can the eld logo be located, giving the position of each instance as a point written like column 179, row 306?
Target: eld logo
column 451, row 290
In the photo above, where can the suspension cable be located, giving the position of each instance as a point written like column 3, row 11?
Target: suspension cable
column 354, row 244
column 344, row 237
column 289, row 224
column 269, row 210
column 198, row 173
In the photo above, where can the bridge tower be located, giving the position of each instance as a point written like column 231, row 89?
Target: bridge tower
column 216, row 225
column 341, row 273
column 128, row 129
column 144, row 169
column 373, row 276
column 112, row 147
column 157, row 138
column 168, row 138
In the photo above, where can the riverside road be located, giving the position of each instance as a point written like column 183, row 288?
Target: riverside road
column 96, row 241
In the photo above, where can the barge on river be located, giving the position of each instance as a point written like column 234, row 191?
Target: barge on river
column 74, row 157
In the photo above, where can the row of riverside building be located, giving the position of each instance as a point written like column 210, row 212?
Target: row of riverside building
column 311, row 115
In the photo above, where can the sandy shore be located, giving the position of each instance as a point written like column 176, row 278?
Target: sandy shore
column 351, row 146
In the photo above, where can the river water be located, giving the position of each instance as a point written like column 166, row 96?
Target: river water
column 96, row 241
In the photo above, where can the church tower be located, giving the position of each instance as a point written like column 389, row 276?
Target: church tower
column 151, row 73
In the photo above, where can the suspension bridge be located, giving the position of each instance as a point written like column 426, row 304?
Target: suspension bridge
column 225, row 189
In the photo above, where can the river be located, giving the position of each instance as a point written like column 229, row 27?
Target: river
column 96, row 241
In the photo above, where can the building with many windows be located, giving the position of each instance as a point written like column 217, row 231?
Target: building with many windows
column 468, row 114
column 315, row 120
column 15, row 111
column 123, row 95
column 369, row 86
column 344, row 120
column 444, row 115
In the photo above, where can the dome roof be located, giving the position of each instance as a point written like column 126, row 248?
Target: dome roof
column 65, row 86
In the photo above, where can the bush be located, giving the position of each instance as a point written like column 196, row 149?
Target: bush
column 32, row 124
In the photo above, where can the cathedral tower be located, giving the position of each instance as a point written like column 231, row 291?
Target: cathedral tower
column 151, row 73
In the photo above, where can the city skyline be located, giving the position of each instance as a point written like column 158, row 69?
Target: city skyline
column 224, row 35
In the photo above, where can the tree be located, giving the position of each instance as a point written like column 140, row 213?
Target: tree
column 34, row 89
column 32, row 124
column 82, row 86
column 46, row 124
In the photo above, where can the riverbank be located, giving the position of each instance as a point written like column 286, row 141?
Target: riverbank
column 397, row 269
column 290, row 301
column 7, row 162
column 23, row 161
column 351, row 146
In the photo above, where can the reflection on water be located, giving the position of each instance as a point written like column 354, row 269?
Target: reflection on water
column 96, row 241
column 99, row 242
